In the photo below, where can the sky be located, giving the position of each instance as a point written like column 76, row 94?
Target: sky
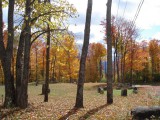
column 148, row 21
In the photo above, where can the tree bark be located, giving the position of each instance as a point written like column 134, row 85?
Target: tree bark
column 2, row 48
column 6, row 56
column 47, row 61
column 23, row 64
column 36, row 49
column 79, row 97
column 109, row 54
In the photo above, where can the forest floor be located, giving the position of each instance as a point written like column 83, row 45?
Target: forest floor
column 62, row 101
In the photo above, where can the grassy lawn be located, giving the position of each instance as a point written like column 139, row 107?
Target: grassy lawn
column 62, row 100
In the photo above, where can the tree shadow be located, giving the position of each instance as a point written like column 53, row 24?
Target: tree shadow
column 92, row 112
column 71, row 112
column 10, row 111
column 7, row 113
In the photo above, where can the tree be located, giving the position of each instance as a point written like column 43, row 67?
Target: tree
column 154, row 54
column 36, row 18
column 23, row 58
column 47, row 59
column 79, row 96
column 109, row 54
column 6, row 55
column 94, row 62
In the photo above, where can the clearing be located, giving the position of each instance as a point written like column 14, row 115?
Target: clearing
column 62, row 100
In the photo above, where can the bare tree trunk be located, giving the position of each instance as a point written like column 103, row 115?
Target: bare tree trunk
column 122, row 63
column 2, row 48
column 131, row 70
column 1, row 73
column 47, row 61
column 36, row 67
column 109, row 54
column 114, row 70
column 69, row 67
column 117, row 64
column 100, row 69
column 6, row 55
column 47, row 66
column 124, row 67
column 23, row 64
column 117, row 60
column 19, row 66
column 79, row 97
column 43, row 72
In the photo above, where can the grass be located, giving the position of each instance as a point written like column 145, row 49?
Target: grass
column 62, row 100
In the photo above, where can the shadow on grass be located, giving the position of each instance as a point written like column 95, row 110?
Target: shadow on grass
column 10, row 111
column 85, row 116
column 71, row 112
column 92, row 112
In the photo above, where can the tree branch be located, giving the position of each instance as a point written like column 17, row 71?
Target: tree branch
column 43, row 32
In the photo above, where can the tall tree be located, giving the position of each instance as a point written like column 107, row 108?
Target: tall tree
column 47, row 59
column 6, row 55
column 23, row 58
column 109, row 54
column 154, row 55
column 80, row 85
column 93, row 64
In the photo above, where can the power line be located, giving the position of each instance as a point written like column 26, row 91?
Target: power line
column 118, row 9
column 125, row 8
column 137, row 12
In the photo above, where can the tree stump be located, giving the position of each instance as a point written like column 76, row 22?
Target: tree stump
column 141, row 113
column 100, row 90
column 124, row 92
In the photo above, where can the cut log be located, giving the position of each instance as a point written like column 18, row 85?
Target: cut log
column 124, row 92
column 141, row 113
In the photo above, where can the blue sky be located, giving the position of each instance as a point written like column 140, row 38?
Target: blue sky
column 148, row 20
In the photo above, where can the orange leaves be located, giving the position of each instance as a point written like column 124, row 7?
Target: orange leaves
column 139, row 57
column 154, row 49
column 93, row 64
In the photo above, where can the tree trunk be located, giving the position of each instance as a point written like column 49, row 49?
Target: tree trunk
column 131, row 70
column 2, row 48
column 47, row 61
column 43, row 72
column 6, row 56
column 69, row 68
column 117, row 60
column 109, row 54
column 23, row 64
column 79, row 97
column 100, row 70
column 36, row 67
column 19, row 67
column 114, row 70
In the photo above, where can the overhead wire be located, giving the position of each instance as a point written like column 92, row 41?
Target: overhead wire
column 118, row 8
column 137, row 12
column 125, row 8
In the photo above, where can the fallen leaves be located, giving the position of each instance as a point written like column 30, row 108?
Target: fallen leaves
column 62, row 101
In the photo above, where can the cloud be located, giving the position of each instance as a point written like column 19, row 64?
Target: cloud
column 147, row 20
